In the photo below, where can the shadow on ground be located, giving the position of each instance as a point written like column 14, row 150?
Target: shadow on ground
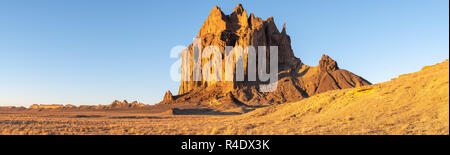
column 136, row 117
column 176, row 111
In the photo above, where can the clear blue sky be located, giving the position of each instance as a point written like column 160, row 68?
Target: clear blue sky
column 96, row 51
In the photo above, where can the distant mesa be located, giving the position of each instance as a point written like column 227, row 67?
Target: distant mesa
column 296, row 80
column 7, row 108
column 51, row 106
column 116, row 105
column 124, row 104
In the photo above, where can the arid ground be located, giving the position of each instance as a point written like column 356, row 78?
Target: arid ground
column 416, row 103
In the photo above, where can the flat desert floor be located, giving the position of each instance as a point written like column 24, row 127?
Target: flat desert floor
column 105, row 123
column 412, row 104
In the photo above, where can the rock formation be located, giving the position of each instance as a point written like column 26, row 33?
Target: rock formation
column 168, row 97
column 295, row 80
column 43, row 106
column 122, row 105
column 116, row 105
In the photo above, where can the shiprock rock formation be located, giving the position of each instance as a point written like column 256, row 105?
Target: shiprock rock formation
column 295, row 79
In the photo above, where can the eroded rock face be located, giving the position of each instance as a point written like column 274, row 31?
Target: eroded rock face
column 238, row 29
column 296, row 80
column 326, row 64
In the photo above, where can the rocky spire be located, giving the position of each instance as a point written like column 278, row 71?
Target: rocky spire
column 238, row 29
column 168, row 97
column 215, row 23
column 327, row 64
column 239, row 9
column 216, row 11
column 255, row 22
column 283, row 32
column 240, row 16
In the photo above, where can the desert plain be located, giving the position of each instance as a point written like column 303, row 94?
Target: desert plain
column 412, row 104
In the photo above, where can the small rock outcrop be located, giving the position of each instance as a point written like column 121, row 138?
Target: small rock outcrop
column 168, row 98
column 326, row 64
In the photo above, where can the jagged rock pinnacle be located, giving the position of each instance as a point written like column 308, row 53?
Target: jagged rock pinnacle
column 327, row 64
column 296, row 80
column 168, row 97
column 283, row 32
column 239, row 9
column 238, row 29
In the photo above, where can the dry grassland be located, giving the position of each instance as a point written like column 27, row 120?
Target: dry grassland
column 416, row 103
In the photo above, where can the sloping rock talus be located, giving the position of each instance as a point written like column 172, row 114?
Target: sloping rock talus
column 415, row 103
column 295, row 79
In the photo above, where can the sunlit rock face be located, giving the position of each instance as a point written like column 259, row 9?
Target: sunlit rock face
column 295, row 80
column 238, row 29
